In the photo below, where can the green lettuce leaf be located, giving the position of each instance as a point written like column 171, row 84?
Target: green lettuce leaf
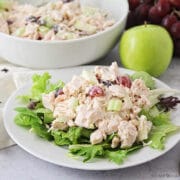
column 41, row 131
column 161, row 119
column 41, row 84
column 29, row 118
column 118, row 156
column 45, row 114
column 55, row 86
column 23, row 111
column 61, row 138
column 162, row 127
column 23, row 120
column 159, row 134
column 148, row 80
column 88, row 152
column 74, row 135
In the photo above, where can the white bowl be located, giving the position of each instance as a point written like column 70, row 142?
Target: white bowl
column 55, row 54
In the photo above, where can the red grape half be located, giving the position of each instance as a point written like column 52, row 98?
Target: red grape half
column 163, row 7
column 168, row 21
column 175, row 30
column 154, row 15
column 175, row 3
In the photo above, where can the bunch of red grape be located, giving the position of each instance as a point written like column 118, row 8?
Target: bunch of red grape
column 162, row 12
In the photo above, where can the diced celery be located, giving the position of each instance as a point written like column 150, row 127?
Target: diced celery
column 92, row 126
column 74, row 103
column 60, row 34
column 114, row 104
column 43, row 29
column 62, row 119
column 20, row 31
column 52, row 5
column 147, row 78
column 69, row 35
column 89, row 76
column 90, row 29
column 5, row 4
column 49, row 22
column 89, row 11
column 154, row 111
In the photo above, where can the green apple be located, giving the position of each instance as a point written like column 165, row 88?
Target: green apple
column 146, row 48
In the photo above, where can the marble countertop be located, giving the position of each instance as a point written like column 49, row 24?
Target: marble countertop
column 15, row 163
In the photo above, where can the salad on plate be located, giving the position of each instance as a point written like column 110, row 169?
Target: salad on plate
column 100, row 113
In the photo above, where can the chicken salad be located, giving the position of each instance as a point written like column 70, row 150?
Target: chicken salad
column 59, row 20
column 100, row 113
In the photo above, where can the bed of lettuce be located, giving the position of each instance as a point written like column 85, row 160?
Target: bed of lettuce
column 77, row 139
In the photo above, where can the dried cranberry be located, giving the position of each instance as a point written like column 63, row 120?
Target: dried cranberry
column 96, row 91
column 32, row 19
column 107, row 83
column 5, row 70
column 9, row 22
column 98, row 78
column 32, row 105
column 67, row 1
column 39, row 38
column 124, row 80
column 58, row 92
column 41, row 22
column 56, row 28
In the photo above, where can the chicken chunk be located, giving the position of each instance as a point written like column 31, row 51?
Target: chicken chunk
column 59, row 125
column 139, row 88
column 48, row 100
column 117, row 90
column 96, row 137
column 144, row 128
column 69, row 10
column 113, row 120
column 115, row 142
column 110, row 73
column 63, row 109
column 49, row 36
column 74, row 86
column 114, row 69
column 87, row 116
column 127, row 133
column 4, row 26
column 31, row 31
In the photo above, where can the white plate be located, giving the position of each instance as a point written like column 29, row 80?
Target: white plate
column 58, row 155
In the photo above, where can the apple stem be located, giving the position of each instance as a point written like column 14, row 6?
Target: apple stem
column 177, row 12
column 145, row 23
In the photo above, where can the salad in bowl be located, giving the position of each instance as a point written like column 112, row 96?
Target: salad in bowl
column 58, row 20
column 100, row 113
column 54, row 34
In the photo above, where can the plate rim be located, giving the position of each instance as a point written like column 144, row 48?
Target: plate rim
column 39, row 156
